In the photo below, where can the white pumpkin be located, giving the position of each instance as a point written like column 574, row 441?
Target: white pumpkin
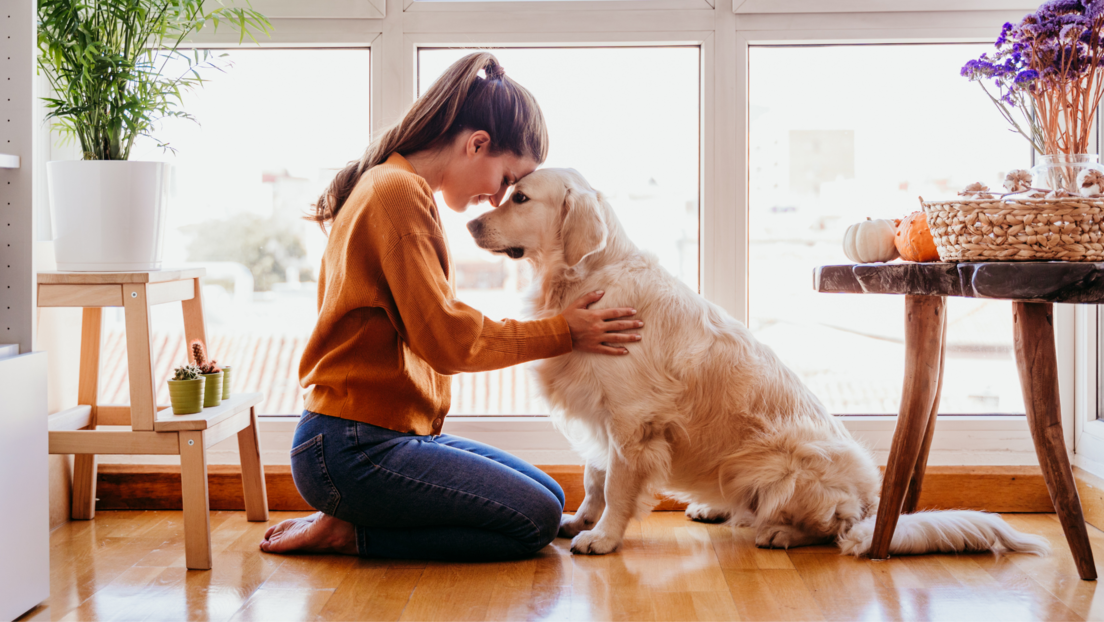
column 870, row 241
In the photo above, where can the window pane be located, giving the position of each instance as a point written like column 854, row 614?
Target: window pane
column 839, row 133
column 273, row 129
column 635, row 139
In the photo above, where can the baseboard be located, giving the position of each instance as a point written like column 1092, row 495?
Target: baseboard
column 1091, row 490
column 992, row 488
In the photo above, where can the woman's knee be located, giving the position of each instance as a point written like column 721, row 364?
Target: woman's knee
column 545, row 515
column 559, row 494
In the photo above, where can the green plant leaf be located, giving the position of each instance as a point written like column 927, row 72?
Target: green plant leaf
column 105, row 61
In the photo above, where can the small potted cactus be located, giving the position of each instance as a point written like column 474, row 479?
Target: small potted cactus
column 210, row 370
column 186, row 390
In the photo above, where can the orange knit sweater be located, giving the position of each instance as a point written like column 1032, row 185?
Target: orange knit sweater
column 390, row 330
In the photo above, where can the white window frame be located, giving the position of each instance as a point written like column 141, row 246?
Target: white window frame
column 724, row 29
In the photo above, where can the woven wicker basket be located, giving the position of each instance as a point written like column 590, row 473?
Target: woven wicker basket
column 1017, row 229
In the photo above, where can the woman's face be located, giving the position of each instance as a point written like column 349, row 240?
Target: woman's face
column 474, row 174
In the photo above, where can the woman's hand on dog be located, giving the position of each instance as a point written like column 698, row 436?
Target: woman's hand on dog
column 596, row 330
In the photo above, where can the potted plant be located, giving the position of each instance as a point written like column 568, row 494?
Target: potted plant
column 1047, row 80
column 211, row 372
column 105, row 62
column 225, row 381
column 186, row 390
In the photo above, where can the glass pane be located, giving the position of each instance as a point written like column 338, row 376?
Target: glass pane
column 634, row 138
column 273, row 129
column 839, row 133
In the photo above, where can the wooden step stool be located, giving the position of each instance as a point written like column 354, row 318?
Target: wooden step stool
column 153, row 429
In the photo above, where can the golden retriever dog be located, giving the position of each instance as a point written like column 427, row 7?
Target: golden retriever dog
column 699, row 409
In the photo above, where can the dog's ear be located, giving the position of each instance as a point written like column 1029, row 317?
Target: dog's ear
column 584, row 230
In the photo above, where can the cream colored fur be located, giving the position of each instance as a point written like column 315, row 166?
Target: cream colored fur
column 699, row 409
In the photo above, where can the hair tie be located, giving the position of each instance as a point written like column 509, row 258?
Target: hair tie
column 494, row 72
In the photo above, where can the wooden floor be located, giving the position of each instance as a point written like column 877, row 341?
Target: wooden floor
column 130, row 566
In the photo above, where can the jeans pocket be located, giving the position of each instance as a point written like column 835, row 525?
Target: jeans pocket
column 312, row 478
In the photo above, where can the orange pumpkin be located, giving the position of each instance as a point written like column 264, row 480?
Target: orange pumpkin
column 914, row 239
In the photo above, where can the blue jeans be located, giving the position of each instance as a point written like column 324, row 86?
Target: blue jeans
column 424, row 497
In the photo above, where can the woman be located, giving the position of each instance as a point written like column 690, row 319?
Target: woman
column 368, row 452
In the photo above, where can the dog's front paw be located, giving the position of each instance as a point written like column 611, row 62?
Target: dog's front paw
column 774, row 537
column 785, row 537
column 702, row 513
column 573, row 525
column 594, row 543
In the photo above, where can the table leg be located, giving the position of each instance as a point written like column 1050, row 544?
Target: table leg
column 1038, row 366
column 912, row 498
column 924, row 326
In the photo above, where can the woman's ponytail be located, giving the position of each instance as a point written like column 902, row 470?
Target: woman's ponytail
column 460, row 99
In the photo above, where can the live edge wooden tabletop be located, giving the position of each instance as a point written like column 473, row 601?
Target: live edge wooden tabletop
column 1036, row 281
column 1032, row 287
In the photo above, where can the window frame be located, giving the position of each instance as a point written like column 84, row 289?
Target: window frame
column 724, row 29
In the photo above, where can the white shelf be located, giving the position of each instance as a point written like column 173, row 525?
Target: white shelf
column 9, row 161
column 24, row 485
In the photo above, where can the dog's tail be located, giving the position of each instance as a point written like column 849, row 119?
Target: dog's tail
column 952, row 531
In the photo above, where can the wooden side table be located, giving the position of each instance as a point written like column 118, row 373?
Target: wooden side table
column 153, row 429
column 1032, row 287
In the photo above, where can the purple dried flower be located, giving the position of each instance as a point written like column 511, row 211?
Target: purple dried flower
column 1060, row 6
column 1048, row 54
column 1094, row 9
column 1026, row 76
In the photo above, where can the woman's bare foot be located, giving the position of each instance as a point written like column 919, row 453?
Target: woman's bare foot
column 317, row 533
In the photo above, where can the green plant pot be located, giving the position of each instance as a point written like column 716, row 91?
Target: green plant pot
column 186, row 396
column 225, row 381
column 212, row 391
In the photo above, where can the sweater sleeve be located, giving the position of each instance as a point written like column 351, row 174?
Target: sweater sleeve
column 448, row 334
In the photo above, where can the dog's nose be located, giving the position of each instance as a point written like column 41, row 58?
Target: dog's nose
column 475, row 226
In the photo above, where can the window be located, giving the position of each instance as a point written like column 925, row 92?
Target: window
column 272, row 132
column 840, row 133
column 726, row 43
column 635, row 139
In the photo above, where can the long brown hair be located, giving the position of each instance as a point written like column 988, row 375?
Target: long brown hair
column 460, row 99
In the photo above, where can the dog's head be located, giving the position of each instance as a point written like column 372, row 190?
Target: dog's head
column 552, row 213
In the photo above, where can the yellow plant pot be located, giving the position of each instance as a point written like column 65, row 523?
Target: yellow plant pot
column 225, row 381
column 212, row 391
column 186, row 396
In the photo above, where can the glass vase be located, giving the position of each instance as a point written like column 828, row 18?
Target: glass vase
column 1054, row 172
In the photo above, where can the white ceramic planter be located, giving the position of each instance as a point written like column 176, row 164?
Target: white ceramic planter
column 108, row 215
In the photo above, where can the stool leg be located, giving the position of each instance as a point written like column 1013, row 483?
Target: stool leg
column 143, row 393
column 252, row 470
column 84, row 465
column 1038, row 366
column 194, row 327
column 197, row 507
column 912, row 499
column 924, row 320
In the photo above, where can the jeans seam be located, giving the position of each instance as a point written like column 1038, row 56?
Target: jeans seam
column 325, row 473
column 536, row 529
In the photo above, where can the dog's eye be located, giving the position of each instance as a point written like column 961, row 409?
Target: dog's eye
column 518, row 197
